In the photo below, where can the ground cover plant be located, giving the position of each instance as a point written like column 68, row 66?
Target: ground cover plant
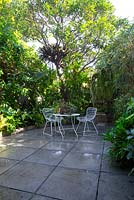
column 122, row 137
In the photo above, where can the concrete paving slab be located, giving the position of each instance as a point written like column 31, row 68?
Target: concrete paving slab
column 50, row 157
column 79, row 177
column 91, row 138
column 25, row 176
column 12, row 143
column 70, row 139
column 34, row 133
column 88, row 147
column 23, row 142
column 38, row 197
column 70, row 184
column 115, row 187
column 113, row 167
column 3, row 144
column 82, row 161
column 62, row 146
column 107, row 145
column 33, row 143
column 67, row 138
column 93, row 141
column 6, row 164
column 10, row 194
column 3, row 147
column 3, row 140
column 17, row 153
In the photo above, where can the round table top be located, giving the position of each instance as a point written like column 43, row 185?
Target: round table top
column 66, row 115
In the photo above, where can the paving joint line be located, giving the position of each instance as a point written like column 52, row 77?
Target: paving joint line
column 96, row 197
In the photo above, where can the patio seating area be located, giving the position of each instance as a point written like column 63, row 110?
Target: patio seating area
column 34, row 166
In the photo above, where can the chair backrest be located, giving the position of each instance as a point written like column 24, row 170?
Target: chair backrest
column 91, row 112
column 47, row 113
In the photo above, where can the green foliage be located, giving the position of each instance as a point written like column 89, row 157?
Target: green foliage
column 12, row 118
column 3, row 124
column 65, row 107
column 72, row 38
column 130, row 147
column 122, row 136
column 23, row 76
column 113, row 83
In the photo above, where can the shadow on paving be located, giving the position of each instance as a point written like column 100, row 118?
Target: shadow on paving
column 34, row 166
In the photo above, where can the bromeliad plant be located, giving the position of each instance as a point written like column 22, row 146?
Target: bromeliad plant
column 122, row 137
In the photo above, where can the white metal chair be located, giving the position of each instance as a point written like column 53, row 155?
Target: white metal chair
column 89, row 117
column 50, row 118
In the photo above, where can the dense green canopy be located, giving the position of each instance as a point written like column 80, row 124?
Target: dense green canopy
column 72, row 34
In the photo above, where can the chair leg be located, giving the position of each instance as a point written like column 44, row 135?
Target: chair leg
column 88, row 126
column 51, row 125
column 77, row 126
column 44, row 133
column 45, row 128
column 62, row 128
column 55, row 126
column 85, row 125
column 95, row 127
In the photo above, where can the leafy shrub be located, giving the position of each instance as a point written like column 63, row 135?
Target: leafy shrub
column 122, row 136
column 33, row 117
column 12, row 117
column 3, row 123
column 120, row 105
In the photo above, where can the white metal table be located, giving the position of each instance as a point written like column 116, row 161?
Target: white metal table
column 72, row 117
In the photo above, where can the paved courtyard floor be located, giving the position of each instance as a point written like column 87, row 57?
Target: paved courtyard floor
column 34, row 166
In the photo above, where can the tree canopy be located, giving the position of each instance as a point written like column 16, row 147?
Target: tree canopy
column 72, row 33
column 78, row 29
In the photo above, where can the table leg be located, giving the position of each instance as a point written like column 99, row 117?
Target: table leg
column 73, row 124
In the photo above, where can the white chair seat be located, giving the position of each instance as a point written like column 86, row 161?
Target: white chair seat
column 81, row 119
